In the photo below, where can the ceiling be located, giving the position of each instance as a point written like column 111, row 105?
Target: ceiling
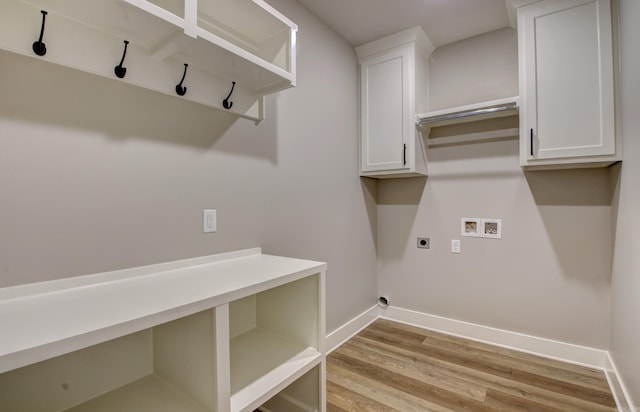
column 444, row 21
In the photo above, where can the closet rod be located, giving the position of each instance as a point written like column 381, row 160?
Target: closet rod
column 511, row 106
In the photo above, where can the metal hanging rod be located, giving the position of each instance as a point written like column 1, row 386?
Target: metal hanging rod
column 496, row 108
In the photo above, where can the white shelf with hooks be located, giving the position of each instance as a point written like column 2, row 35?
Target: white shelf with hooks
column 222, row 41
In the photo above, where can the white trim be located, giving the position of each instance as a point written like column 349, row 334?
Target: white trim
column 618, row 389
column 567, row 352
column 351, row 328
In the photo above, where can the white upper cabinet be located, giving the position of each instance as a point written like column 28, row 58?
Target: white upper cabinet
column 566, row 84
column 244, row 45
column 393, row 81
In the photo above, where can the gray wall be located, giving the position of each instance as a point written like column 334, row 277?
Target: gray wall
column 477, row 69
column 549, row 275
column 625, row 329
column 97, row 175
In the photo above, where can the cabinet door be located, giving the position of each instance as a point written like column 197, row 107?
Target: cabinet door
column 566, row 75
column 386, row 111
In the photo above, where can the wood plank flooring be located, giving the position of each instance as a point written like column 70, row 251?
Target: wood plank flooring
column 395, row 367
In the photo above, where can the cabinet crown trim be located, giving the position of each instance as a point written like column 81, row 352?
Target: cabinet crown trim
column 413, row 35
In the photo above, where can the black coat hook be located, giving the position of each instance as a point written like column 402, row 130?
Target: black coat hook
column 39, row 47
column 182, row 90
column 226, row 103
column 119, row 70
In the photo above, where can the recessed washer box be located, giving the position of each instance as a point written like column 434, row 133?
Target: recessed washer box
column 492, row 228
column 481, row 227
column 471, row 227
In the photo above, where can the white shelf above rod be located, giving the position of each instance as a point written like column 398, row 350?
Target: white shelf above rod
column 470, row 113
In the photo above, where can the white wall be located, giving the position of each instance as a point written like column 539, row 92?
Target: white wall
column 549, row 275
column 625, row 326
column 97, row 175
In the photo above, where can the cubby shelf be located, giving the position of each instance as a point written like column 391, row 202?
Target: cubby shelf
column 223, row 41
column 151, row 393
column 220, row 333
column 262, row 360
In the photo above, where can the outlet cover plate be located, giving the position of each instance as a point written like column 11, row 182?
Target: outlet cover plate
column 209, row 221
column 423, row 243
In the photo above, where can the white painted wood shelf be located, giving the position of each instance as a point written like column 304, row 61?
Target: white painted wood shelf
column 151, row 392
column 492, row 109
column 260, row 360
column 469, row 113
column 222, row 41
column 220, row 333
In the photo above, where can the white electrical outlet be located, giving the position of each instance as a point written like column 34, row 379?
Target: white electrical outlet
column 209, row 221
column 455, row 246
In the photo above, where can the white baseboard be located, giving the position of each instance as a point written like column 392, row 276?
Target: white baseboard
column 619, row 390
column 566, row 352
column 351, row 328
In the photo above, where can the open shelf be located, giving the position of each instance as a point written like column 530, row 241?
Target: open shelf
column 300, row 396
column 480, row 131
column 258, row 360
column 166, row 368
column 218, row 333
column 489, row 121
column 266, row 34
column 267, row 354
column 470, row 113
column 150, row 393
column 52, row 318
column 223, row 41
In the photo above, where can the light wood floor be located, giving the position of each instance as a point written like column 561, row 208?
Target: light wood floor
column 395, row 367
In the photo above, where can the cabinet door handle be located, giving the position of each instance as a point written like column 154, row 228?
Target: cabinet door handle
column 531, row 142
column 404, row 154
